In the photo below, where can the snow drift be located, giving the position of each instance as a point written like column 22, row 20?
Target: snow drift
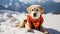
column 9, row 18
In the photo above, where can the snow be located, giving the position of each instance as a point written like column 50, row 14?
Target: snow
column 27, row 1
column 52, row 21
column 57, row 1
column 10, row 4
column 8, row 19
column 11, row 0
column 43, row 1
column 6, row 6
column 17, row 4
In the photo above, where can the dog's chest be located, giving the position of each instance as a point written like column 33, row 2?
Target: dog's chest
column 33, row 22
column 36, row 24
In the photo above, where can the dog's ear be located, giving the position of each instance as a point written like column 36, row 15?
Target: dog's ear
column 28, row 9
column 41, row 9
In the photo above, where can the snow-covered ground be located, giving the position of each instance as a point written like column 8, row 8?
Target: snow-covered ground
column 9, row 18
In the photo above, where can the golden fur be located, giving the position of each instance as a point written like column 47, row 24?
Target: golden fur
column 39, row 12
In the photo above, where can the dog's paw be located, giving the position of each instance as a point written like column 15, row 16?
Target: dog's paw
column 28, row 30
column 16, row 25
column 46, row 32
column 20, row 26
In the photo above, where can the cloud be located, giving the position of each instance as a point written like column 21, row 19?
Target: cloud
column 57, row 1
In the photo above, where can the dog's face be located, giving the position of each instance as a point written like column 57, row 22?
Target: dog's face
column 35, row 11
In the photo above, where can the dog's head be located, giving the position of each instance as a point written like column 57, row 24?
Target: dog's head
column 35, row 11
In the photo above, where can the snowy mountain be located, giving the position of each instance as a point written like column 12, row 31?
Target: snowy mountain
column 21, row 5
column 8, row 19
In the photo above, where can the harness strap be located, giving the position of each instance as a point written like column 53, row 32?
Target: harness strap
column 33, row 27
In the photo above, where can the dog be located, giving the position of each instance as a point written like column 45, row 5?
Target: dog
column 34, row 19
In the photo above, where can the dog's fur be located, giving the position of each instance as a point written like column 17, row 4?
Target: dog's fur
column 37, row 10
column 33, row 9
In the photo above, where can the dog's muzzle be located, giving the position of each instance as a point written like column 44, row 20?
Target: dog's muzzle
column 34, row 14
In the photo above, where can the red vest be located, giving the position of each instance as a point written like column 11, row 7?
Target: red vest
column 36, row 23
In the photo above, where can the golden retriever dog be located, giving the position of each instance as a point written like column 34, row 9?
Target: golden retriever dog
column 34, row 19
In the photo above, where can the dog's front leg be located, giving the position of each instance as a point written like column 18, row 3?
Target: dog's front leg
column 27, row 26
column 44, row 30
column 21, row 25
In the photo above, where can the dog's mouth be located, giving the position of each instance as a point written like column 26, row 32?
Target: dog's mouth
column 34, row 14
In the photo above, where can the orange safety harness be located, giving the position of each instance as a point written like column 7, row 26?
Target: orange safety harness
column 35, row 24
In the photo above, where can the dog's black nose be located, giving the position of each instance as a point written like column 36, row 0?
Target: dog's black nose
column 34, row 14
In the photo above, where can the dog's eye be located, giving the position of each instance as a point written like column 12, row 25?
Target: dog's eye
column 32, row 9
column 36, row 9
